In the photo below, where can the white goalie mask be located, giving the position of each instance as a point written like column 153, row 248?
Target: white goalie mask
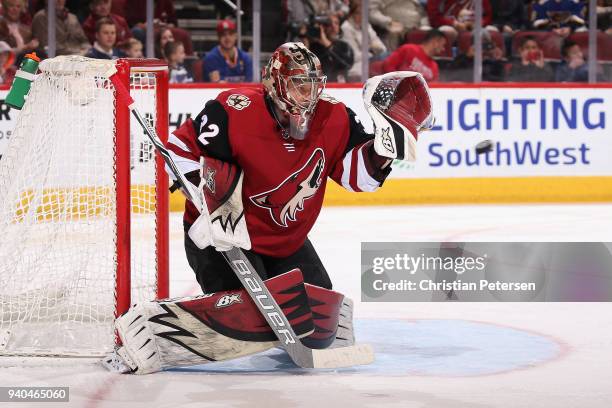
column 400, row 107
column 294, row 80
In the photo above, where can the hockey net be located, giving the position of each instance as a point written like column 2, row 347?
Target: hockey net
column 83, row 208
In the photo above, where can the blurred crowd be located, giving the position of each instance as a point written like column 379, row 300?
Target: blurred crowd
column 522, row 40
column 105, row 29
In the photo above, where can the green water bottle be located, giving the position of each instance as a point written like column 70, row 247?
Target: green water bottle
column 23, row 80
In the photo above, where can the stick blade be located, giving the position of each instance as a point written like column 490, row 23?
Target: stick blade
column 359, row 354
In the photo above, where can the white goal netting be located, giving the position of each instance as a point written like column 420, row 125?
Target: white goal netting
column 58, row 222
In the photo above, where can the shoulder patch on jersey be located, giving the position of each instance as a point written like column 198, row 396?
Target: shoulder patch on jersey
column 238, row 101
column 329, row 98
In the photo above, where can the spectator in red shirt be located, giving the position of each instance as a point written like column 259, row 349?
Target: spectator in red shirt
column 99, row 9
column 163, row 12
column 418, row 57
column 453, row 16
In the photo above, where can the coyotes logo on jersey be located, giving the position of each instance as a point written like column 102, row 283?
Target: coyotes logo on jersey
column 284, row 201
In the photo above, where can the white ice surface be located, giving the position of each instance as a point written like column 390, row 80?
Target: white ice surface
column 554, row 354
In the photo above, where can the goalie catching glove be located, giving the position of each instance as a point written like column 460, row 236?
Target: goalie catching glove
column 400, row 107
column 225, row 226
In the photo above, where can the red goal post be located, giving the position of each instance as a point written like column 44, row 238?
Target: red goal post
column 125, row 68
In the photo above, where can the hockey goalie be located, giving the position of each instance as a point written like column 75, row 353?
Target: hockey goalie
column 261, row 158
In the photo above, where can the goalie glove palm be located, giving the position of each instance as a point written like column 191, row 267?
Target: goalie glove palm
column 400, row 106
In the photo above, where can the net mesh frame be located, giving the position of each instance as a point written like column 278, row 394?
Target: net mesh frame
column 73, row 253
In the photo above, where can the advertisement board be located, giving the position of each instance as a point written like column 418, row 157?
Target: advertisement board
column 540, row 134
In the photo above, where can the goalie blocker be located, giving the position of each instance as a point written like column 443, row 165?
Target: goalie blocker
column 226, row 325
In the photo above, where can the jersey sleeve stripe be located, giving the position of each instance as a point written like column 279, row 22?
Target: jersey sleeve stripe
column 365, row 182
column 355, row 175
column 354, row 169
column 346, row 165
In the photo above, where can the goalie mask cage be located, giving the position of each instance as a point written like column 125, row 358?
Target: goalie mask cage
column 83, row 208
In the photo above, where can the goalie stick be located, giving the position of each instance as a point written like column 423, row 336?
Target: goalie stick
column 301, row 355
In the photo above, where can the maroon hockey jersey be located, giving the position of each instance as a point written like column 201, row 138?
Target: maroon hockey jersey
column 284, row 179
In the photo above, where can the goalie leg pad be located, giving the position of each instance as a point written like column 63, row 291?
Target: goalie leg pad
column 345, row 336
column 332, row 315
column 118, row 361
column 220, row 326
column 139, row 350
